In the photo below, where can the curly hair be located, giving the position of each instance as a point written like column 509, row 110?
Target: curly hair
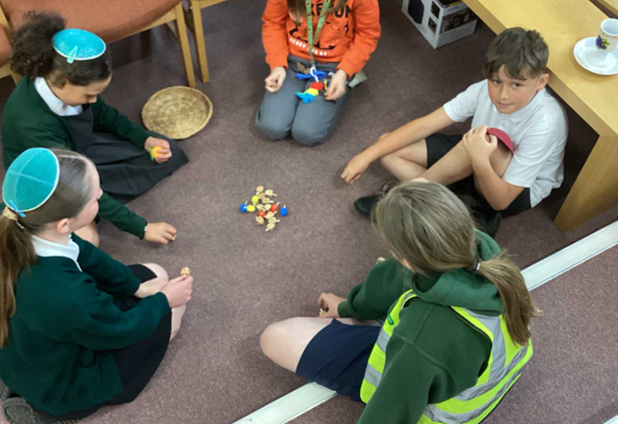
column 34, row 54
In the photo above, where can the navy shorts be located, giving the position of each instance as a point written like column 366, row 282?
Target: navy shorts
column 439, row 145
column 337, row 357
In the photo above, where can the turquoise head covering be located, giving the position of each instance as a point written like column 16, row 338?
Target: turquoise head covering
column 77, row 44
column 30, row 180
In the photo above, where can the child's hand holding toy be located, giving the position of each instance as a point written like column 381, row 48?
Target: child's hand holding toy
column 336, row 87
column 329, row 304
column 159, row 149
column 275, row 80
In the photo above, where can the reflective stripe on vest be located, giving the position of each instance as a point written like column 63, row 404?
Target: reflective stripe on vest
column 471, row 406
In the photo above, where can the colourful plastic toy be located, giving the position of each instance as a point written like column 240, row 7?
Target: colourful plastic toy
column 308, row 96
column 314, row 75
column 255, row 199
column 243, row 207
column 262, row 214
column 250, row 208
column 273, row 208
column 154, row 152
column 284, row 211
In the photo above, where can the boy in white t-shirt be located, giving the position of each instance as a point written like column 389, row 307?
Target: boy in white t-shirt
column 512, row 99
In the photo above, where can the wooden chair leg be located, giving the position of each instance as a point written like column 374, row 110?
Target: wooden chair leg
column 181, row 27
column 200, row 42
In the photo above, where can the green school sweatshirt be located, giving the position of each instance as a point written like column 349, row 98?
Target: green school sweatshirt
column 28, row 122
column 58, row 354
column 433, row 354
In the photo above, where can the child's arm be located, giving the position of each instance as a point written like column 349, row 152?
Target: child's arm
column 373, row 298
column 111, row 276
column 403, row 136
column 108, row 119
column 103, row 326
column 366, row 36
column 274, row 33
column 120, row 216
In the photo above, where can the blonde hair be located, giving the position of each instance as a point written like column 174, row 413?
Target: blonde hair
column 426, row 225
column 73, row 192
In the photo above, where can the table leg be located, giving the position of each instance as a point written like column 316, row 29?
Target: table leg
column 596, row 187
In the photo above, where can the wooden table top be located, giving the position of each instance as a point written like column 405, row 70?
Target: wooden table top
column 562, row 23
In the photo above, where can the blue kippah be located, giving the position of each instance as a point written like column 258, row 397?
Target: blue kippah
column 30, row 180
column 77, row 44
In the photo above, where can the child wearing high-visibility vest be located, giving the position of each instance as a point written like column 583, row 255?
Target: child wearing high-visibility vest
column 456, row 315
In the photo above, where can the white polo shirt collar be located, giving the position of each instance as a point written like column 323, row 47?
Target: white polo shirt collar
column 55, row 104
column 45, row 249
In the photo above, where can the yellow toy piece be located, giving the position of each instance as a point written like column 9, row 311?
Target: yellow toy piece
column 154, row 152
column 250, row 208
column 255, row 199
column 185, row 271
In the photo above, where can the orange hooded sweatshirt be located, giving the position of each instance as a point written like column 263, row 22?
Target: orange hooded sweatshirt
column 348, row 36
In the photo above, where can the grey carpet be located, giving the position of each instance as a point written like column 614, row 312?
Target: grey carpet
column 246, row 278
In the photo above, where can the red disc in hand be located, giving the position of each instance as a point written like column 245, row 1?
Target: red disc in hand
column 317, row 85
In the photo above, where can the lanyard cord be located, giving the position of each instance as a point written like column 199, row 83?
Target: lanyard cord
column 321, row 20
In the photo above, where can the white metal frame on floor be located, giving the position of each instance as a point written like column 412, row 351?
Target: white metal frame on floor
column 311, row 395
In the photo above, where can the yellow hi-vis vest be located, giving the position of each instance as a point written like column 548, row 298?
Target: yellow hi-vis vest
column 471, row 406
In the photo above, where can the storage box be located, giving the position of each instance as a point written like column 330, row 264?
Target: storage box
column 440, row 21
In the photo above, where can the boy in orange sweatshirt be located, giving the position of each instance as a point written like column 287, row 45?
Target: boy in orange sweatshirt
column 343, row 36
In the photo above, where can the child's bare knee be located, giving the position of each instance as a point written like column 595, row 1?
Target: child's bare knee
column 385, row 161
column 158, row 270
column 270, row 338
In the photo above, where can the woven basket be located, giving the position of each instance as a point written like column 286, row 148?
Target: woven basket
column 177, row 112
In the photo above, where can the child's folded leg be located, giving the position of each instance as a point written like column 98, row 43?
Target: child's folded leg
column 276, row 114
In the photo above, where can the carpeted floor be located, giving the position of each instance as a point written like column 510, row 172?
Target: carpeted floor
column 246, row 278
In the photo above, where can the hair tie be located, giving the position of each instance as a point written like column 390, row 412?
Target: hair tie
column 12, row 215
column 474, row 267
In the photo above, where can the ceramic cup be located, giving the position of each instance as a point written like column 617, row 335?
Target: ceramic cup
column 606, row 42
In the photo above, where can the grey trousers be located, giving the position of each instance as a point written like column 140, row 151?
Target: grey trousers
column 283, row 113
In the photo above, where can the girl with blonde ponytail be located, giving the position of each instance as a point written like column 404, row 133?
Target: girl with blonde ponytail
column 78, row 330
column 456, row 319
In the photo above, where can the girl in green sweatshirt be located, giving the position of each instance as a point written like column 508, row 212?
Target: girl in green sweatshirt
column 58, row 105
column 78, row 330
column 456, row 313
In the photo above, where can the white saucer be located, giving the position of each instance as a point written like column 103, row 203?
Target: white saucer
column 586, row 46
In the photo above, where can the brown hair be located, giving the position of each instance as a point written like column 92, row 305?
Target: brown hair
column 73, row 192
column 298, row 8
column 429, row 227
column 523, row 53
column 34, row 54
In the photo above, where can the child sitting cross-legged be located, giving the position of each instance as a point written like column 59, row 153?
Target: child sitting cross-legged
column 496, row 179
column 78, row 330
column 456, row 317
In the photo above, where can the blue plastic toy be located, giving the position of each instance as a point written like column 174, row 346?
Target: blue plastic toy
column 316, row 76
column 284, row 211
column 243, row 207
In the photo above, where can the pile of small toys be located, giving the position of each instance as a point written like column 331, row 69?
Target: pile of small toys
column 265, row 208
